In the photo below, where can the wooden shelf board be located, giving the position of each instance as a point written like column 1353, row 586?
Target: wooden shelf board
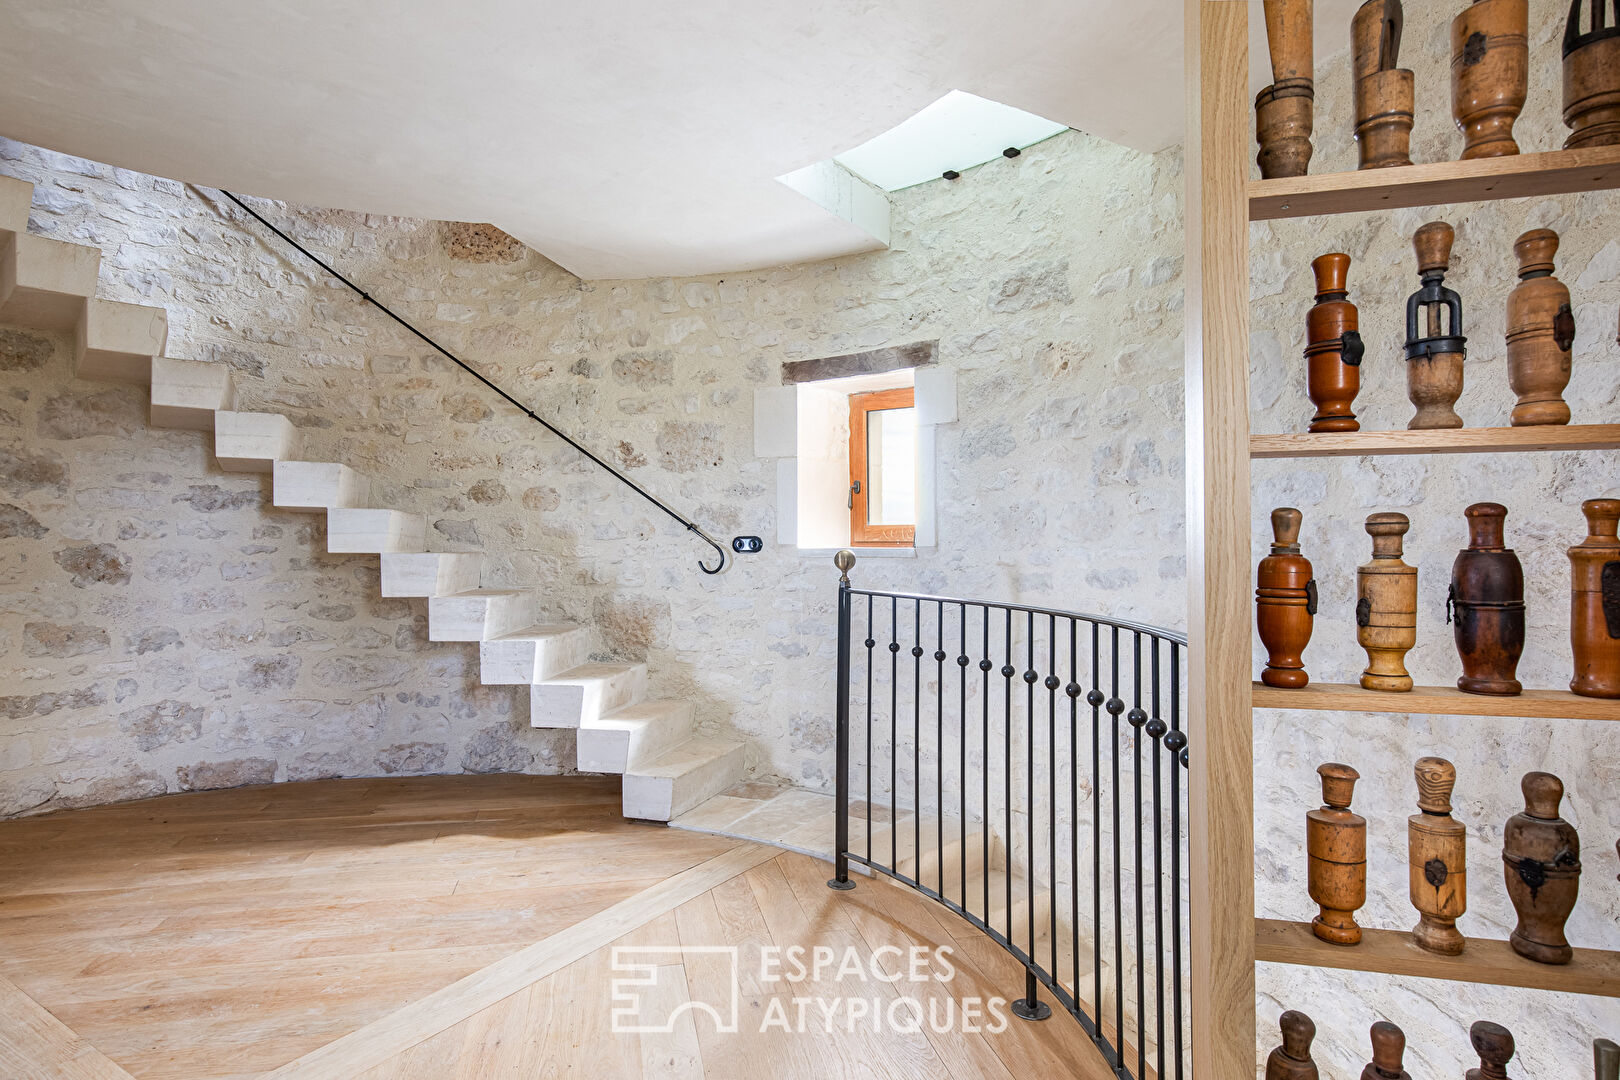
column 1392, row 952
column 1556, row 173
column 1437, row 701
column 1448, row 441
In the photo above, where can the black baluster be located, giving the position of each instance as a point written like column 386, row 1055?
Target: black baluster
column 840, row 880
column 894, row 733
column 1138, row 717
column 870, row 642
column 1007, row 673
column 916, row 748
column 1073, row 691
column 939, row 746
column 984, row 765
column 1175, row 742
column 1115, row 707
column 1052, row 683
column 1030, row 1006
column 961, row 746
column 1095, row 699
column 1156, row 729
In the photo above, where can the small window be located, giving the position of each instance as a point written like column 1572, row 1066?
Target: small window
column 883, row 468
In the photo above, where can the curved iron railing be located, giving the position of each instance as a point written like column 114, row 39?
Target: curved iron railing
column 1033, row 789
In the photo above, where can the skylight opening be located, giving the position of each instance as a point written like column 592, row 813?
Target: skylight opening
column 955, row 133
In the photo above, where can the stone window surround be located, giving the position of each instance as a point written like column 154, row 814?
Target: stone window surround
column 776, row 429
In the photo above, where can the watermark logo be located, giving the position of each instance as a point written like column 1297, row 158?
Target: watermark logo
column 646, row 1001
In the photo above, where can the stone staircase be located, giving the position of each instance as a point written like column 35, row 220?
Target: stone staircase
column 668, row 768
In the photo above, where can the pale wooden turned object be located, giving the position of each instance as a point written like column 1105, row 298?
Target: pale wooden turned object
column 1285, row 603
column 1541, row 860
column 1592, row 76
column 1540, row 333
column 1336, row 844
column 1594, row 616
column 1386, row 606
column 1490, row 74
column 1494, row 1045
column 1434, row 352
column 1605, row 1060
column 1283, row 110
column 1436, row 845
column 1383, row 93
column 1389, row 1048
column 1292, row 1060
column 1333, row 347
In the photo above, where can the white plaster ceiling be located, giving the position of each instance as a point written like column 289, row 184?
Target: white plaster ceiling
column 621, row 138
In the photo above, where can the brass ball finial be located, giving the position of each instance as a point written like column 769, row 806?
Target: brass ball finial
column 845, row 561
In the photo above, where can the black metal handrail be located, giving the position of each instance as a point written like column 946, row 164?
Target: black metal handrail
column 1127, row 660
column 469, row 369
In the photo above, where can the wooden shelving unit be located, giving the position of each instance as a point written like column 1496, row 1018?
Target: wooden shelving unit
column 1437, row 701
column 1485, row 960
column 1454, row 441
column 1227, row 940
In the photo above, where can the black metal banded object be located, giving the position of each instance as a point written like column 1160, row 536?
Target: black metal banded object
column 1067, row 794
column 514, row 402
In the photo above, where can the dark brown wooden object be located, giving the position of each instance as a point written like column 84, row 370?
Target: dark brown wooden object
column 1283, row 110
column 1386, row 606
column 1389, row 1047
column 1383, row 92
column 1336, row 843
column 1486, row 605
column 1594, row 614
column 1292, row 1060
column 1435, row 352
column 1437, row 860
column 1285, row 603
column 1490, row 74
column 1605, row 1060
column 1540, row 333
column 1494, row 1045
column 1333, row 347
column 1541, row 859
column 1592, row 75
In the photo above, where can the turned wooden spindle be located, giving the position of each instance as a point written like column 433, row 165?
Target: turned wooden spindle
column 1333, row 347
column 1437, row 860
column 1389, row 1048
column 1285, row 603
column 1386, row 606
column 1541, row 859
column 1434, row 352
column 1605, row 1060
column 1594, row 617
column 1592, row 75
column 1494, row 1045
column 1382, row 92
column 1283, row 110
column 1336, row 844
column 1540, row 333
column 1292, row 1060
column 1490, row 74
column 1486, row 605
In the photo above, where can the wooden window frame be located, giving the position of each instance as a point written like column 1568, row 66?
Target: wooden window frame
column 862, row 534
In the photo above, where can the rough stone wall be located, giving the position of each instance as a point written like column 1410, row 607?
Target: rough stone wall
column 1543, row 493
column 164, row 627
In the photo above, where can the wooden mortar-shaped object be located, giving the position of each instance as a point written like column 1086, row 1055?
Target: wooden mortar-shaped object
column 1540, row 332
column 1434, row 352
column 1592, row 76
column 1494, row 1045
column 1333, row 347
column 1283, row 110
column 1386, row 606
column 1486, row 605
column 1541, row 860
column 1285, row 603
column 1605, row 1060
column 1292, row 1060
column 1336, row 843
column 1436, row 845
column 1594, row 614
column 1490, row 74
column 1389, row 1047
column 1383, row 93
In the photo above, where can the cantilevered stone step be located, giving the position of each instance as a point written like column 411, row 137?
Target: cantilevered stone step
column 116, row 342
column 187, row 393
column 16, row 202
column 253, row 441
column 481, row 614
column 582, row 695
column 318, row 485
column 44, row 283
column 368, row 531
column 532, row 654
column 430, row 573
column 681, row 777
column 633, row 735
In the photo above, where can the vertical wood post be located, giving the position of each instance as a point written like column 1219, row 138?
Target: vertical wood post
column 1220, row 716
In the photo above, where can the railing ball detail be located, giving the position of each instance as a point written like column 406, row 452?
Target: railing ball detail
column 1115, row 706
column 1095, row 698
column 1156, row 728
column 1136, row 716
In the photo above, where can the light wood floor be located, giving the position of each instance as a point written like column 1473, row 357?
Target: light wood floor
column 454, row 927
